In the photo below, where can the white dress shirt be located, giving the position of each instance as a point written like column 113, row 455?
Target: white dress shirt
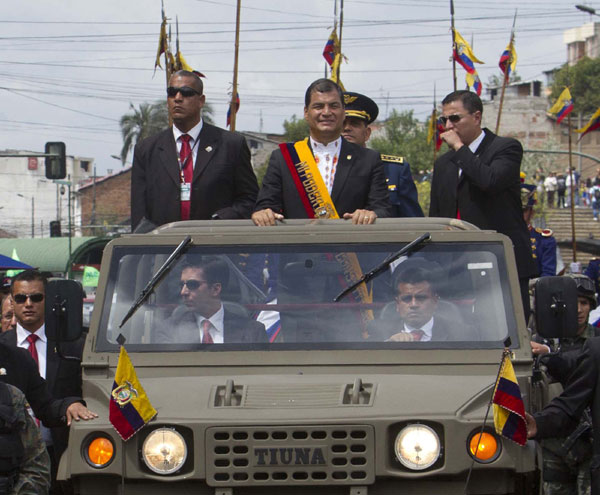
column 426, row 329
column 216, row 325
column 327, row 157
column 473, row 146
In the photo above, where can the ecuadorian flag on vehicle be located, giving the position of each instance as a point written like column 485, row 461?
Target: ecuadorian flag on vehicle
column 129, row 408
column 509, row 411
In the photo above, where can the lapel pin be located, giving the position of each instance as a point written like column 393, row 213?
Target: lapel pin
column 2, row 371
column 349, row 157
column 209, row 148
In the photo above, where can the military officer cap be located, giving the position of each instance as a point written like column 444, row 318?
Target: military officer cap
column 360, row 107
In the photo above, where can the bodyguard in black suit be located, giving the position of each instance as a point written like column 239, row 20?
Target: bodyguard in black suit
column 478, row 180
column 204, row 318
column 222, row 183
column 354, row 175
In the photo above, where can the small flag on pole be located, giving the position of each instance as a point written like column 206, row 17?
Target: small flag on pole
column 508, row 59
column 592, row 125
column 237, row 107
column 331, row 47
column 509, row 410
column 563, row 106
column 474, row 82
column 129, row 407
column 463, row 53
column 162, row 41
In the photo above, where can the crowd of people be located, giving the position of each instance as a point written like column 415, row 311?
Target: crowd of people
column 196, row 171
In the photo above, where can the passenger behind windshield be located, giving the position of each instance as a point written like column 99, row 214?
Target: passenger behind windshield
column 418, row 314
column 203, row 317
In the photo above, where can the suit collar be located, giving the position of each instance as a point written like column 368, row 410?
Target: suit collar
column 487, row 140
column 168, row 155
column 209, row 140
column 346, row 161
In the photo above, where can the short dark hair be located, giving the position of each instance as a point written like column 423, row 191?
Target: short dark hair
column 322, row 86
column 415, row 275
column 197, row 81
column 215, row 270
column 470, row 100
column 28, row 276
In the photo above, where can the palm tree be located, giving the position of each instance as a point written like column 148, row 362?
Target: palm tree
column 146, row 120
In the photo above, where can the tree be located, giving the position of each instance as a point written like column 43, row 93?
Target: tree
column 295, row 129
column 496, row 81
column 147, row 120
column 583, row 80
column 405, row 136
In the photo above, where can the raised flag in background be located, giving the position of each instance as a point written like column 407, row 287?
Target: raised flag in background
column 129, row 408
column 562, row 106
column 162, row 41
column 237, row 107
column 592, row 125
column 332, row 47
column 474, row 82
column 508, row 59
column 509, row 410
column 463, row 54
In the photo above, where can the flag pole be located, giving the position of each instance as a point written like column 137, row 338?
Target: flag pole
column 572, row 202
column 166, row 54
column 340, row 39
column 506, row 70
column 233, row 103
column 505, row 354
column 434, row 116
column 453, row 43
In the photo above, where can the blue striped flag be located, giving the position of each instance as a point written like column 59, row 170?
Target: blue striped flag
column 509, row 410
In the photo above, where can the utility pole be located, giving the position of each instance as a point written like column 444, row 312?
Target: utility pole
column 234, row 92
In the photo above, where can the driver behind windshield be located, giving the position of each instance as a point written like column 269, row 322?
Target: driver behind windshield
column 203, row 318
column 419, row 314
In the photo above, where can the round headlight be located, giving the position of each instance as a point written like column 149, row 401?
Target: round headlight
column 164, row 451
column 99, row 452
column 417, row 447
column 484, row 447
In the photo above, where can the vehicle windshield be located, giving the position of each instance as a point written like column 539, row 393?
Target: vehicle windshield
column 445, row 295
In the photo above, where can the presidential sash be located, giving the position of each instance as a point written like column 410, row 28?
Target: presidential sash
column 318, row 204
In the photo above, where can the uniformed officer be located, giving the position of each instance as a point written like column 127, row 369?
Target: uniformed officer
column 361, row 111
column 24, row 462
column 543, row 243
column 593, row 271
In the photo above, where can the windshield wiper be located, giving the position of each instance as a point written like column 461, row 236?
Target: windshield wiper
column 409, row 248
column 162, row 271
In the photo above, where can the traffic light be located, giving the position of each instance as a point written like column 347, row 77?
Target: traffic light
column 56, row 166
column 55, row 230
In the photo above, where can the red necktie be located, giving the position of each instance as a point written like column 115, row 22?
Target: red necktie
column 187, row 171
column 417, row 335
column 206, row 338
column 32, row 338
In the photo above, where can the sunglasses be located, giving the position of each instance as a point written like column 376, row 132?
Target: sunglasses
column 420, row 298
column 191, row 284
column 454, row 118
column 185, row 91
column 22, row 298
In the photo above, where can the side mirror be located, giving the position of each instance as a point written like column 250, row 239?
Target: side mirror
column 64, row 310
column 556, row 307
column 56, row 166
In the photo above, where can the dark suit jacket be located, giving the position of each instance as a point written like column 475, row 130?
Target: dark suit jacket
column 63, row 379
column 402, row 190
column 564, row 411
column 359, row 183
column 223, row 182
column 182, row 328
column 442, row 330
column 488, row 193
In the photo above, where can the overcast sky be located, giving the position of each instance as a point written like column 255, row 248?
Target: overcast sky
column 71, row 68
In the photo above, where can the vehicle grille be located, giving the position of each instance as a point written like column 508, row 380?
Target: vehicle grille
column 290, row 455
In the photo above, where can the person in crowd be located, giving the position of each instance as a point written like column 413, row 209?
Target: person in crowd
column 566, row 458
column 192, row 170
column 561, row 189
column 478, row 180
column 63, row 377
column 324, row 176
column 8, row 320
column 361, row 111
column 550, row 185
column 594, row 193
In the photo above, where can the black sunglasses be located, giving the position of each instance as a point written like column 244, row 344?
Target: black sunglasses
column 454, row 118
column 191, row 284
column 21, row 298
column 185, row 91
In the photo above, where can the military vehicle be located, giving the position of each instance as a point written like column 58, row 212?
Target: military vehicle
column 338, row 397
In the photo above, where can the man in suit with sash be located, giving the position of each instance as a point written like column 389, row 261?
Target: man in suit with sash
column 478, row 180
column 323, row 176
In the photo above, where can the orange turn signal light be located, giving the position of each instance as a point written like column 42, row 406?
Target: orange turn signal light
column 100, row 451
column 483, row 447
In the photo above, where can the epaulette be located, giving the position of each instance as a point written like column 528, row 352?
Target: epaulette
column 392, row 158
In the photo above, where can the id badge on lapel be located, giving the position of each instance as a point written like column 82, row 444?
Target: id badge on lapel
column 186, row 191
